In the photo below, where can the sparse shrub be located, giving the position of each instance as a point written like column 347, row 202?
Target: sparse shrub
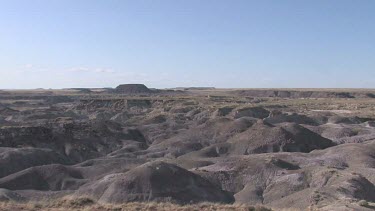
column 363, row 203
column 81, row 202
column 74, row 203
column 37, row 206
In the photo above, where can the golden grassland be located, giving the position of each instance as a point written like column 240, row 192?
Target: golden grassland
column 86, row 204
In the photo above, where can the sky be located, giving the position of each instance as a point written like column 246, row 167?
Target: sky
column 176, row 43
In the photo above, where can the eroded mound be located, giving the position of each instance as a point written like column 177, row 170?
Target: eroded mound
column 265, row 138
column 49, row 177
column 155, row 181
column 13, row 160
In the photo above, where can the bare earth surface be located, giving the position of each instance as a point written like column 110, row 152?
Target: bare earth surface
column 134, row 148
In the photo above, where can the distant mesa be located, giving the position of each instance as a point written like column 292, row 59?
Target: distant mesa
column 132, row 89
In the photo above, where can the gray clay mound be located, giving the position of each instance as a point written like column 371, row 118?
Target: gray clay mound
column 214, row 131
column 256, row 112
column 155, row 181
column 49, row 177
column 13, row 159
column 8, row 195
column 344, row 120
column 344, row 133
column 296, row 118
column 264, row 137
column 6, row 111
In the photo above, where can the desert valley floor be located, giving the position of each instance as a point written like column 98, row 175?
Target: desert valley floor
column 292, row 149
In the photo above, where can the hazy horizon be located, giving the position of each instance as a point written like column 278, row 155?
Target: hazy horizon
column 166, row 44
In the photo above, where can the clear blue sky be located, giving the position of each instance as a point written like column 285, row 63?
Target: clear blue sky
column 169, row 43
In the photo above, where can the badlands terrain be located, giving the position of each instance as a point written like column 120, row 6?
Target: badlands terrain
column 135, row 148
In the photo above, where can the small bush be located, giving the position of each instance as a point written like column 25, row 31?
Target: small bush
column 81, row 202
column 363, row 203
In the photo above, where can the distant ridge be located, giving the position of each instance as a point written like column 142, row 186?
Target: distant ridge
column 303, row 94
column 195, row 88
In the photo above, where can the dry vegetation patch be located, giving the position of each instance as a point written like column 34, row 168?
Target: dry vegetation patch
column 86, row 204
